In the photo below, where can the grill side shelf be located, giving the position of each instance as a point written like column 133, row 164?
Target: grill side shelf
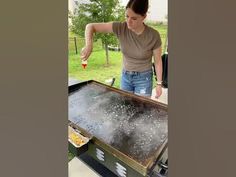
column 75, row 149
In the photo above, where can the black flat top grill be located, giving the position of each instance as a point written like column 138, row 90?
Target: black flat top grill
column 132, row 125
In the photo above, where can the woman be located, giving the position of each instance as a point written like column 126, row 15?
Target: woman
column 139, row 43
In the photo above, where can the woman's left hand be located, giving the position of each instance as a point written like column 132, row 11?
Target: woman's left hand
column 158, row 91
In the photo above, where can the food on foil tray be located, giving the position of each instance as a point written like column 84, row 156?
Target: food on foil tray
column 76, row 139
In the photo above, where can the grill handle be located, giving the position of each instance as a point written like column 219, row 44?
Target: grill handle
column 162, row 165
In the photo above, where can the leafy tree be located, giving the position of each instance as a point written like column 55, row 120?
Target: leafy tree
column 98, row 11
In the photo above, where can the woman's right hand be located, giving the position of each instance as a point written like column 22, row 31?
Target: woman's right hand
column 85, row 52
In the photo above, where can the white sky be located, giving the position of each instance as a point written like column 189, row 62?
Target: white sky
column 124, row 2
column 158, row 9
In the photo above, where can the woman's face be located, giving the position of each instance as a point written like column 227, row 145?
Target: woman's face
column 133, row 20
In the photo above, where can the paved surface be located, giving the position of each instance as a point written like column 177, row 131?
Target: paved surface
column 86, row 166
column 72, row 81
column 77, row 168
column 164, row 96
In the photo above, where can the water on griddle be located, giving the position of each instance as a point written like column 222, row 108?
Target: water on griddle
column 135, row 128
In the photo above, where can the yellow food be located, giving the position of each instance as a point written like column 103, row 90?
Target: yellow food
column 76, row 139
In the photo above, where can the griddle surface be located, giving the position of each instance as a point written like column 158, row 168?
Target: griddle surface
column 134, row 127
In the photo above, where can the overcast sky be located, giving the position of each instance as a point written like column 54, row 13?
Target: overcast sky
column 124, row 2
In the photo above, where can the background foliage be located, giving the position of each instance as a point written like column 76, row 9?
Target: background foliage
column 98, row 11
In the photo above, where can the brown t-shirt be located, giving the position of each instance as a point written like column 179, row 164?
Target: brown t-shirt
column 137, row 49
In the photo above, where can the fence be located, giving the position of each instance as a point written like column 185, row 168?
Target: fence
column 72, row 42
column 76, row 43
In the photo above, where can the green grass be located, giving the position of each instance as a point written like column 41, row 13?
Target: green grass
column 97, row 69
column 70, row 156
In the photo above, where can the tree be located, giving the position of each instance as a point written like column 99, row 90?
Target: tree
column 98, row 11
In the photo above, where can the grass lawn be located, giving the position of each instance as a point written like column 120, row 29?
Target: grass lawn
column 96, row 69
column 70, row 156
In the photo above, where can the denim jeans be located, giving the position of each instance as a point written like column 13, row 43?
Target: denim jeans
column 139, row 83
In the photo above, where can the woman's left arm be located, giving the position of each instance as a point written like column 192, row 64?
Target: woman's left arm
column 158, row 68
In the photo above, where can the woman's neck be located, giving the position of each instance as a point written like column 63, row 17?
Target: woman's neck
column 140, row 30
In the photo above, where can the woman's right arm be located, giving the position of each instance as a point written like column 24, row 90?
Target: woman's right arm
column 89, row 30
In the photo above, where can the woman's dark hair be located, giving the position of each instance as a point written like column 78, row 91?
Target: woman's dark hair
column 138, row 6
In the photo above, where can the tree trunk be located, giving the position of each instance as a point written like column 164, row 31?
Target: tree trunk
column 107, row 54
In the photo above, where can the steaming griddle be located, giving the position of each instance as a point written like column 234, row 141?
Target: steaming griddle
column 128, row 133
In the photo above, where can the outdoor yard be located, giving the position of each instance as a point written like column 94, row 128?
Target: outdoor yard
column 97, row 69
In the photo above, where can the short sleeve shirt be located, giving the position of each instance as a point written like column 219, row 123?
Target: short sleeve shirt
column 137, row 50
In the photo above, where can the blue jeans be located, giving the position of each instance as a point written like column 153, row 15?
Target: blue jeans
column 139, row 83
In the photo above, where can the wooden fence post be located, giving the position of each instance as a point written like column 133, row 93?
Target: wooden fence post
column 76, row 51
